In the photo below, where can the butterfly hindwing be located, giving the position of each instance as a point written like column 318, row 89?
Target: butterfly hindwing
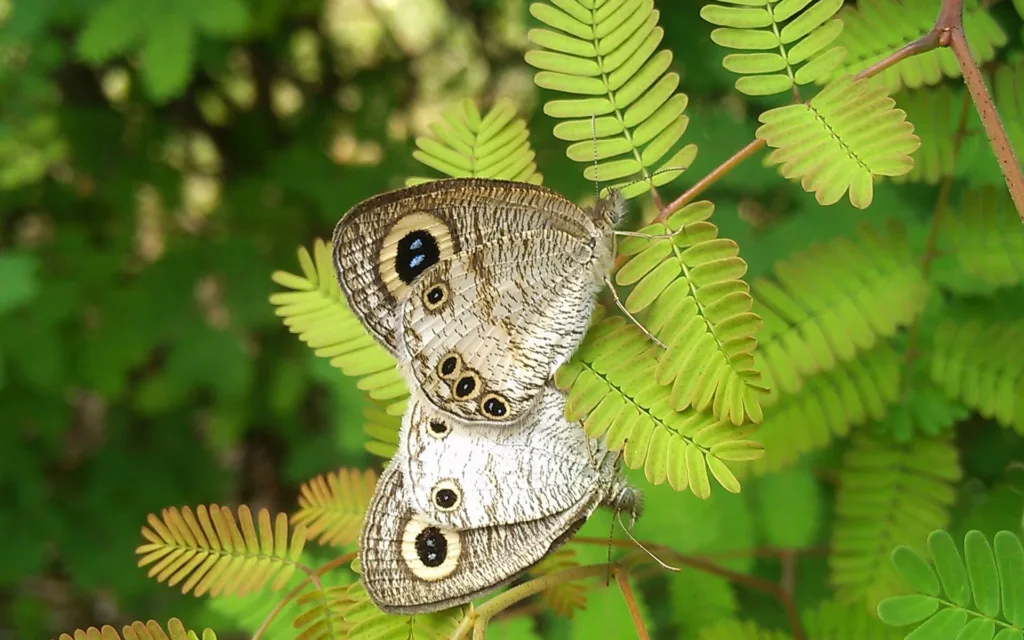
column 410, row 565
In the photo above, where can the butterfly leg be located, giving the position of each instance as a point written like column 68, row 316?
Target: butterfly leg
column 618, row 303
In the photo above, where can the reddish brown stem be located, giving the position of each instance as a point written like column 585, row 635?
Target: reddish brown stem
column 622, row 578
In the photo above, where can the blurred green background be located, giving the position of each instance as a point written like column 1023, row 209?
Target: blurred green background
column 160, row 158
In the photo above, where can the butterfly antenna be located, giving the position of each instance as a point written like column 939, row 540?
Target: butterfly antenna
column 618, row 303
column 639, row 544
column 593, row 130
column 651, row 236
column 611, row 534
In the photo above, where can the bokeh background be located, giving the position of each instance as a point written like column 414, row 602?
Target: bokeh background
column 159, row 159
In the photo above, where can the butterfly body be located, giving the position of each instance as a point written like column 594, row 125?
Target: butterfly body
column 480, row 288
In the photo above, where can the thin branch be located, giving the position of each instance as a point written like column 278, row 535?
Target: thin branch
column 622, row 578
column 952, row 21
column 313, row 578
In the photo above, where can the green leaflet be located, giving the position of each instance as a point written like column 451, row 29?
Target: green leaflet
column 984, row 235
column 973, row 361
column 315, row 309
column 799, row 33
column 973, row 588
column 934, row 112
column 828, row 406
column 873, row 29
column 467, row 145
column 690, row 289
column 625, row 104
column 367, row 621
column 832, row 620
column 826, row 145
column 888, row 495
column 611, row 388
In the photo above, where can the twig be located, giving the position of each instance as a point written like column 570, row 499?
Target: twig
column 314, row 578
column 951, row 23
column 622, row 577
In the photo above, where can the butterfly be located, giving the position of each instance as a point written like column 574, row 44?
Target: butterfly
column 480, row 288
column 461, row 511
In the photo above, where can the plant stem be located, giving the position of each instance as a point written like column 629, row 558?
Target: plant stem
column 951, row 23
column 622, row 578
column 313, row 578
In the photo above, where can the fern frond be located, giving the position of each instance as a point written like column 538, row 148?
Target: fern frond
column 828, row 405
column 736, row 630
column 613, row 389
column 792, row 40
column 368, row 622
column 381, row 427
column 315, row 309
column 978, row 363
column 888, row 495
column 875, row 28
column 972, row 600
column 209, row 552
column 827, row 304
column 834, row 621
column 625, row 115
column 934, row 112
column 331, row 506
column 846, row 135
column 322, row 616
column 984, row 235
column 138, row 631
column 564, row 598
column 699, row 307
column 465, row 145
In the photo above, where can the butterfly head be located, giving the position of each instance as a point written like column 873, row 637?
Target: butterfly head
column 608, row 211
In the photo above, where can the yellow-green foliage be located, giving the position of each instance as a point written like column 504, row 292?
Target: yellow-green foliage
column 935, row 112
column 612, row 387
column 315, row 309
column 825, row 144
column 979, row 363
column 699, row 307
column 627, row 117
column 888, row 495
column 210, row 551
column 331, row 506
column 141, row 631
column 983, row 233
column 825, row 305
column 792, row 39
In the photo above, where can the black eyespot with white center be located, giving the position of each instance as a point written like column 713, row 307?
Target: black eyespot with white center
column 467, row 386
column 417, row 251
column 494, row 406
column 446, row 495
column 431, row 547
column 449, row 366
column 435, row 297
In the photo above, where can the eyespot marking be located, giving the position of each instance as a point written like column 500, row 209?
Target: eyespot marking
column 438, row 428
column 449, row 366
column 435, row 297
column 431, row 552
column 416, row 242
column 467, row 386
column 494, row 405
column 446, row 495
